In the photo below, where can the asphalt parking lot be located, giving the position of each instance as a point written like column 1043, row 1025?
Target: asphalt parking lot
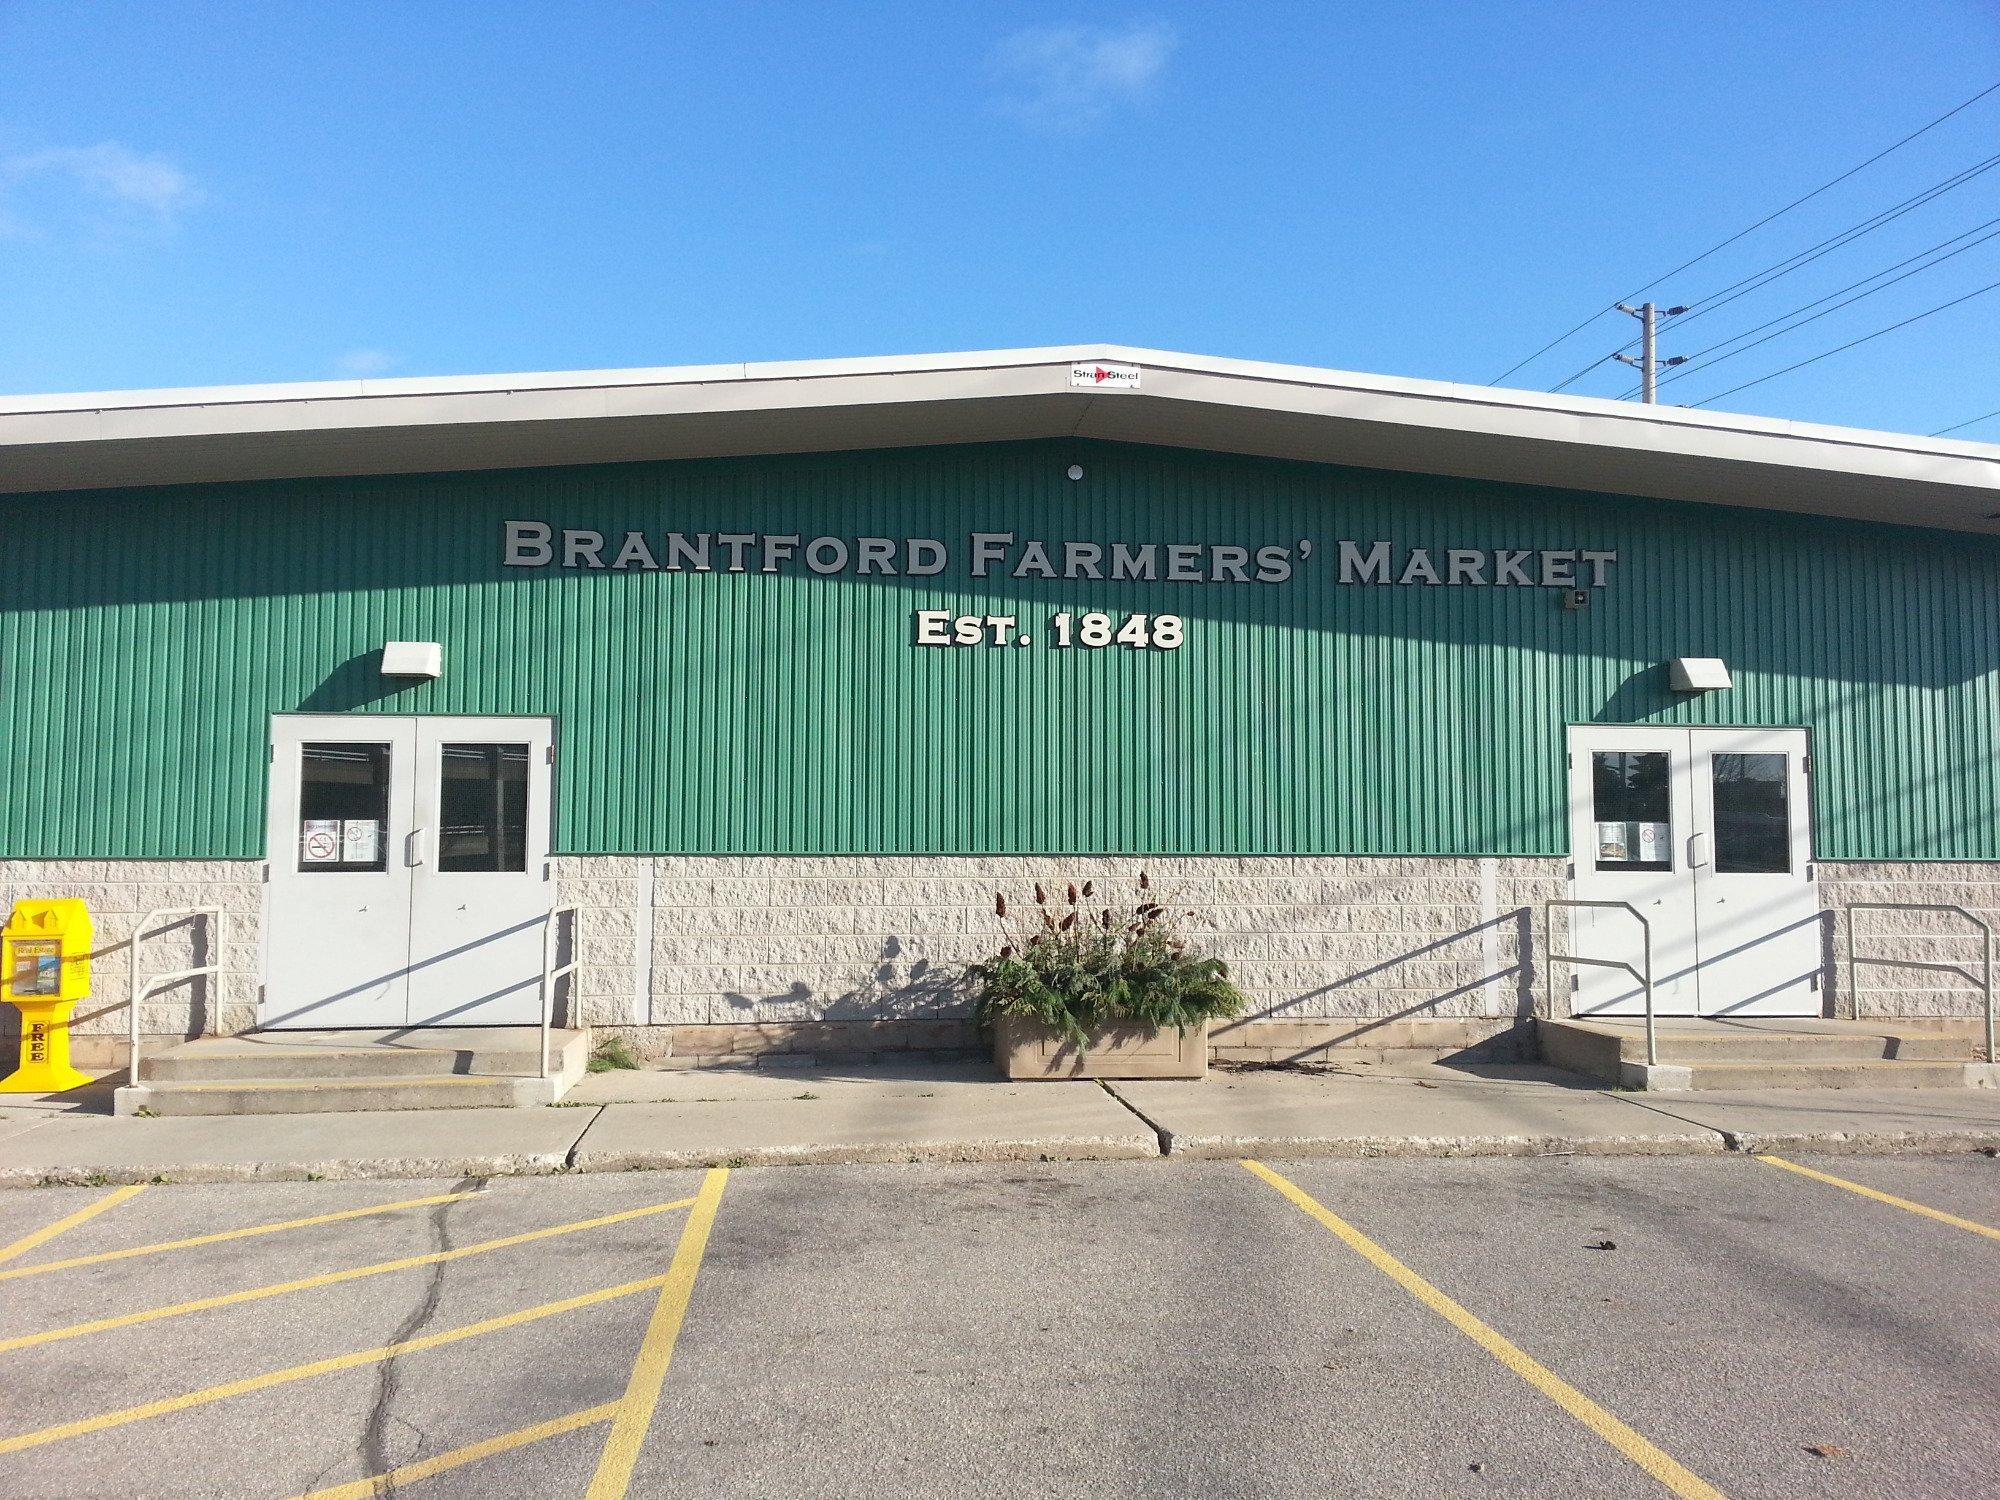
column 1541, row 1326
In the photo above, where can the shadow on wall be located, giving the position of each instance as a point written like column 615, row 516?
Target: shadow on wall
column 1904, row 985
column 200, row 997
column 1640, row 697
column 1519, row 976
column 356, row 683
column 918, row 990
column 921, row 990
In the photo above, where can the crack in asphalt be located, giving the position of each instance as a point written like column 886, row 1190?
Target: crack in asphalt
column 388, row 1374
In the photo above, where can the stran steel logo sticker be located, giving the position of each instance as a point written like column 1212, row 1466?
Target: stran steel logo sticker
column 1105, row 377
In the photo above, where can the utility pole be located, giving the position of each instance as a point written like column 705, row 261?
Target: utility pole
column 1648, row 363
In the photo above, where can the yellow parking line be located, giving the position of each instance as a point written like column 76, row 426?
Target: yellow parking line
column 331, row 1278
column 1625, row 1439
column 339, row 1362
column 229, row 1234
column 506, row 1442
column 42, row 1236
column 1889, row 1198
column 656, row 1350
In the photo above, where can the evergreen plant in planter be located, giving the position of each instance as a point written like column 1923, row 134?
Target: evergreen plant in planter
column 1095, row 991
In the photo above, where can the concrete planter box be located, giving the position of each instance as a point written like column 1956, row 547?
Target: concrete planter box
column 1028, row 1049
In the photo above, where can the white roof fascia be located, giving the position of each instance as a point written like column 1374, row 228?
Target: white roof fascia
column 225, row 433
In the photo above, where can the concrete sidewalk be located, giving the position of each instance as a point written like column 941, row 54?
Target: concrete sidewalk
column 621, row 1121
column 1499, row 1110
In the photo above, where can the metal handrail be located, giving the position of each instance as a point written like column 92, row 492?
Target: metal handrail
column 1646, row 950
column 150, row 924
column 551, row 972
column 1986, row 965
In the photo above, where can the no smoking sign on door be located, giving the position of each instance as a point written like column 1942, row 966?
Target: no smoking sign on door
column 321, row 844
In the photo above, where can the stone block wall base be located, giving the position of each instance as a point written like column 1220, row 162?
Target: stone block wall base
column 652, row 1045
column 800, row 1043
column 1230, row 1043
column 1355, row 1039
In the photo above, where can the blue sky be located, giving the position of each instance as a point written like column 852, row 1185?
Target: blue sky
column 197, row 193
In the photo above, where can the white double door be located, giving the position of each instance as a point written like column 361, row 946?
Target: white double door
column 1707, row 833
column 409, row 871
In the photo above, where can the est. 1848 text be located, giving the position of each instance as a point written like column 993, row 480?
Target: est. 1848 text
column 1091, row 631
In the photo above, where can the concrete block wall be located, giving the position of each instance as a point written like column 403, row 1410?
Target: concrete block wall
column 773, row 942
column 1930, row 937
column 728, row 956
column 121, row 893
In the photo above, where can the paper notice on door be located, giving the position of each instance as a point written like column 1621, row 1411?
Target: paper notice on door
column 1653, row 843
column 1612, row 841
column 319, row 841
column 360, row 841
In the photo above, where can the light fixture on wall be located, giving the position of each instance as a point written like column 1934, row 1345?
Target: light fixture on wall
column 413, row 659
column 1698, row 674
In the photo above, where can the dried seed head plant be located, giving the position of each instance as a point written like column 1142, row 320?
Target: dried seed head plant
column 1077, row 967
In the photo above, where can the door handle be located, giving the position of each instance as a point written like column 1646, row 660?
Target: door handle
column 413, row 847
column 1693, row 863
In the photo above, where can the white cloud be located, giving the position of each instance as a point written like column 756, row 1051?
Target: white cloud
column 1069, row 77
column 112, row 185
column 358, row 364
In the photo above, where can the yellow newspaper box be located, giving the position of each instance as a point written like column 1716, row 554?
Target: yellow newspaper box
column 45, row 970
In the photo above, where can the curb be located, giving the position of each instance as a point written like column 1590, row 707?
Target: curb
column 364, row 1169
column 873, row 1154
column 1868, row 1142
column 1703, row 1143
column 1192, row 1148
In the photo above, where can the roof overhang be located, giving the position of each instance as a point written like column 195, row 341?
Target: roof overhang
column 234, row 433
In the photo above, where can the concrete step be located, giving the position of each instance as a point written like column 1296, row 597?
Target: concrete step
column 1766, row 1054
column 1828, row 1075
column 1767, row 1046
column 364, row 1055
column 293, row 1072
column 267, row 1096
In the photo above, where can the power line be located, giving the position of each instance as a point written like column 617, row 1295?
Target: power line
column 1781, row 318
column 1907, row 260
column 1974, row 422
column 1757, row 280
column 1572, row 378
column 1851, row 343
column 1684, row 265
column 1811, row 253
column 1724, row 244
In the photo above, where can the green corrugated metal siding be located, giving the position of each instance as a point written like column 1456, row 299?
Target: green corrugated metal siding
column 148, row 634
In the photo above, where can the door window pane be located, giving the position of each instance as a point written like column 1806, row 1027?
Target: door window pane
column 343, row 807
column 483, row 808
column 1753, row 825
column 1633, row 827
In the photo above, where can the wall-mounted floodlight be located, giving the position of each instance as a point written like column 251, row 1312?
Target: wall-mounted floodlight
column 1698, row 674
column 413, row 659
